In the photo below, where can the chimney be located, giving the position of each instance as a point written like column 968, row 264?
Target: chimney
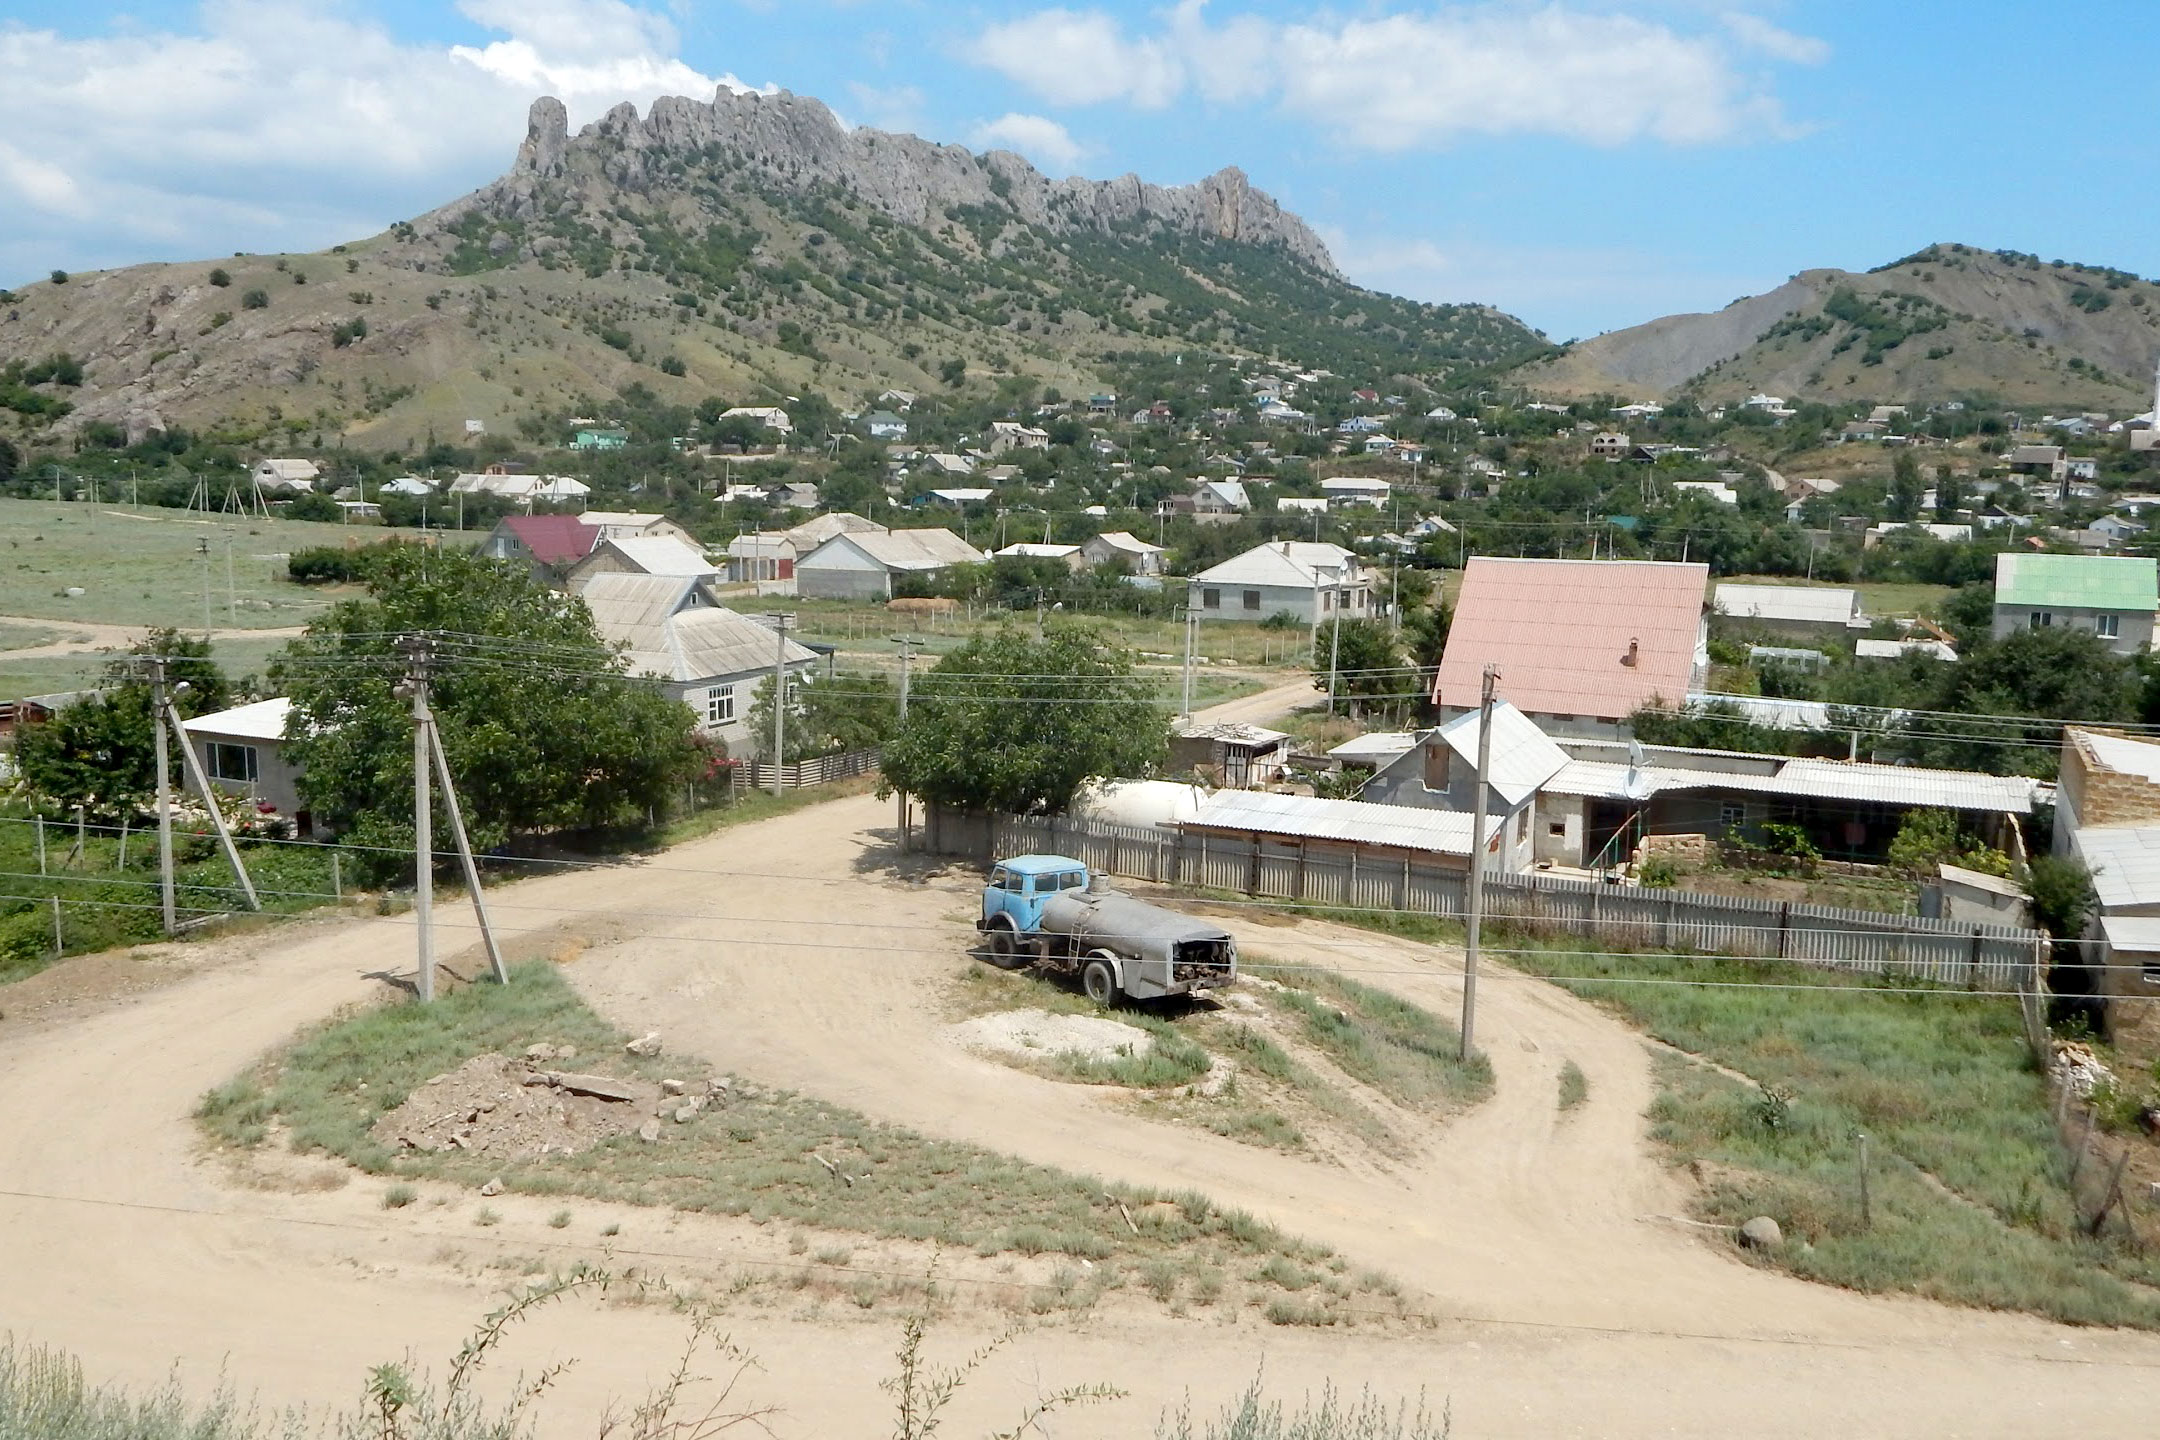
column 1634, row 652
column 1285, row 547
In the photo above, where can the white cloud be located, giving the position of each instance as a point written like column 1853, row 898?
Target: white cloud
column 275, row 124
column 1042, row 140
column 1424, row 77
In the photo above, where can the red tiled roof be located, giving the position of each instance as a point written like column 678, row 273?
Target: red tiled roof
column 1560, row 631
column 553, row 539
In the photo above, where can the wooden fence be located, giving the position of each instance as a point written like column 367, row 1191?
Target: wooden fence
column 1980, row 957
column 756, row 775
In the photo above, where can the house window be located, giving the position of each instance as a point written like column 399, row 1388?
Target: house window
column 1252, row 600
column 1522, row 826
column 1211, row 599
column 1556, row 829
column 1436, row 765
column 1327, row 601
column 2107, row 627
column 232, row 762
column 1732, row 814
column 2041, row 619
column 720, row 705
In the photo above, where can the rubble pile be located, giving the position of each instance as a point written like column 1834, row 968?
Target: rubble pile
column 525, row 1108
column 2079, row 1069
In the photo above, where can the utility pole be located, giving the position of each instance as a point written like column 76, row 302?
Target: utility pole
column 1192, row 625
column 164, row 794
column 906, row 644
column 1477, row 867
column 414, row 688
column 203, row 545
column 465, row 851
column 194, row 772
column 1334, row 652
column 780, row 621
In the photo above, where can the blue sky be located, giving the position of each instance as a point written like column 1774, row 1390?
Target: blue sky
column 1586, row 164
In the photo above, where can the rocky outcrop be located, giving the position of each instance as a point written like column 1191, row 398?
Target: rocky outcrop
column 793, row 141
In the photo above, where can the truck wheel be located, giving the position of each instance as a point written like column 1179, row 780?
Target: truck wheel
column 1005, row 949
column 1099, row 982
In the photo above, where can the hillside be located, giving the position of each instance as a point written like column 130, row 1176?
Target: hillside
column 1950, row 321
column 748, row 247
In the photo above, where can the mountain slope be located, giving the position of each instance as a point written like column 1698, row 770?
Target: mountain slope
column 1949, row 321
column 747, row 247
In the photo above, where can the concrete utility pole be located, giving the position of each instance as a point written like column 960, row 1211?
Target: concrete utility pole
column 171, row 716
column 414, row 688
column 465, row 851
column 164, row 794
column 1192, row 626
column 1334, row 653
column 780, row 621
column 906, row 644
column 204, row 547
column 1477, row 867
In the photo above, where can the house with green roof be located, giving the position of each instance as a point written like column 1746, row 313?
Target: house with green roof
column 2113, row 596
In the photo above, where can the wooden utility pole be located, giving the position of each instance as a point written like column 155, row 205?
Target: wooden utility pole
column 164, row 794
column 414, row 688
column 1477, row 867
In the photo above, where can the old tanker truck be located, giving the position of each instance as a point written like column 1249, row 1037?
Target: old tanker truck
column 1050, row 911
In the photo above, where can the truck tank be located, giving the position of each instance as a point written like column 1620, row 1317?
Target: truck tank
column 1190, row 951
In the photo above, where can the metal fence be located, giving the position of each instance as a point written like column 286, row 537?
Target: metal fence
column 1989, row 957
column 757, row 775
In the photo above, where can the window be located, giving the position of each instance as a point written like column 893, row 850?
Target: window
column 2107, row 627
column 1732, row 814
column 2041, row 619
column 1563, row 717
column 1211, row 599
column 1012, row 881
column 720, row 705
column 1522, row 825
column 1252, row 600
column 1073, row 880
column 1556, row 829
column 1327, row 601
column 232, row 762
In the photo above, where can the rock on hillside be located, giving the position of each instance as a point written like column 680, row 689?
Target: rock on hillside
column 1947, row 322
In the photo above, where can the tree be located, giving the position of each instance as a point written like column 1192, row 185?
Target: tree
column 100, row 752
column 1906, row 488
column 59, row 277
column 1007, row 722
column 10, row 459
column 2062, row 895
column 220, row 278
column 1368, row 665
column 953, row 372
column 853, row 710
column 2050, row 674
column 543, row 730
column 1949, row 494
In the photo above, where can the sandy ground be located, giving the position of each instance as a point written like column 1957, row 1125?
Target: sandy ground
column 1568, row 1298
column 85, row 637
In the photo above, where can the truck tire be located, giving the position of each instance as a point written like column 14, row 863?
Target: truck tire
column 1099, row 981
column 1005, row 951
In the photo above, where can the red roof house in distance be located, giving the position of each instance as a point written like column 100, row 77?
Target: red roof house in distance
column 550, row 544
column 1579, row 643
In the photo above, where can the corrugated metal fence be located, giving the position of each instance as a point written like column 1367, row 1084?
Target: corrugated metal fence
column 1980, row 957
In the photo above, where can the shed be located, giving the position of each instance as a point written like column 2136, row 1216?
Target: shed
column 242, row 751
column 1301, row 824
column 1235, row 754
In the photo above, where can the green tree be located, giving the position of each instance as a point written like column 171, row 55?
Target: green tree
column 100, row 752
column 2037, row 676
column 1949, row 494
column 852, row 710
column 1007, row 722
column 543, row 730
column 1906, row 488
column 2062, row 895
column 220, row 278
column 1368, row 665
column 953, row 372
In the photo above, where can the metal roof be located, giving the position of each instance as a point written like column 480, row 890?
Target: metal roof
column 1130, row 543
column 1560, row 631
column 908, row 549
column 2121, row 754
column 2137, row 933
column 1522, row 757
column 1355, row 822
column 2082, row 582
column 1799, row 604
column 1375, row 749
column 1280, row 562
column 659, row 555
column 1893, row 649
column 816, row 531
column 663, row 628
column 263, row 720
column 552, row 539
column 1041, row 864
column 2124, row 861
column 1804, row 779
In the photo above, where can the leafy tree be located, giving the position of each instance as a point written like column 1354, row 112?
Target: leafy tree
column 220, row 278
column 2050, row 674
column 100, row 752
column 543, row 730
column 953, row 372
column 1949, row 494
column 853, row 710
column 2062, row 895
column 1368, row 665
column 1007, row 722
column 1906, row 488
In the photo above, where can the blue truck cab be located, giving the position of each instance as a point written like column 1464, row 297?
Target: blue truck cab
column 1019, row 886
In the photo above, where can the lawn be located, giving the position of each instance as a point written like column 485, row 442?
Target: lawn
column 147, row 567
column 758, row 1155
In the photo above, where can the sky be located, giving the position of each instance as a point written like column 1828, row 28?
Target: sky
column 1584, row 164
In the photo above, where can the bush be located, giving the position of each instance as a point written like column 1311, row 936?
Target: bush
column 220, row 278
column 59, row 277
column 1657, row 873
column 254, row 299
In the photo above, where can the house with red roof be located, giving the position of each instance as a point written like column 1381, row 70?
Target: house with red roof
column 1579, row 644
column 550, row 544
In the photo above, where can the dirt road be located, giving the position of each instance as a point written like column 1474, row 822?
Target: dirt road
column 83, row 637
column 1569, row 1302
column 1264, row 708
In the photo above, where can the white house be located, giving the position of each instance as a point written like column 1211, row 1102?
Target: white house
column 641, row 555
column 1356, row 490
column 772, row 417
column 864, row 565
column 1117, row 546
column 712, row 659
column 292, row 475
column 1313, row 582
column 242, row 752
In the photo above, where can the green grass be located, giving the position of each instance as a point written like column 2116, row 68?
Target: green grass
column 1574, row 1086
column 752, row 1158
column 146, row 567
column 239, row 657
column 23, row 637
column 750, row 805
column 1401, row 1050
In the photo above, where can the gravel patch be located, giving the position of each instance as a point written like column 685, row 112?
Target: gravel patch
column 1034, row 1034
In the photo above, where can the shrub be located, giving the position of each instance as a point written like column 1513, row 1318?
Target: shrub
column 397, row 1197
column 220, row 278
column 59, row 277
column 1657, row 873
column 1790, row 840
column 670, row 365
column 254, row 299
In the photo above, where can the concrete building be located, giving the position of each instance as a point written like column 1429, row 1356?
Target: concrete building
column 1118, row 547
column 1312, row 582
column 867, row 565
column 1579, row 644
column 1439, row 772
column 242, row 751
column 2107, row 815
column 2113, row 596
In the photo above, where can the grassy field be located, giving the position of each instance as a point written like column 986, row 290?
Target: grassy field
column 146, row 567
column 1883, row 597
column 239, row 656
column 755, row 1156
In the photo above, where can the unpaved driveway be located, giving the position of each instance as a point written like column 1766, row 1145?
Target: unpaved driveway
column 785, row 950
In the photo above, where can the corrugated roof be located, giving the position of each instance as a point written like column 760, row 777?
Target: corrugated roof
column 1799, row 604
column 2136, row 933
column 659, row 555
column 1401, row 827
column 815, row 532
column 653, row 619
column 1375, row 749
column 1810, row 780
column 1280, row 562
column 553, row 539
column 2124, row 861
column 1522, row 759
column 1560, row 629
column 2084, row 582
column 1130, row 543
column 1893, row 649
column 263, row 720
column 912, row 549
column 1036, row 550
